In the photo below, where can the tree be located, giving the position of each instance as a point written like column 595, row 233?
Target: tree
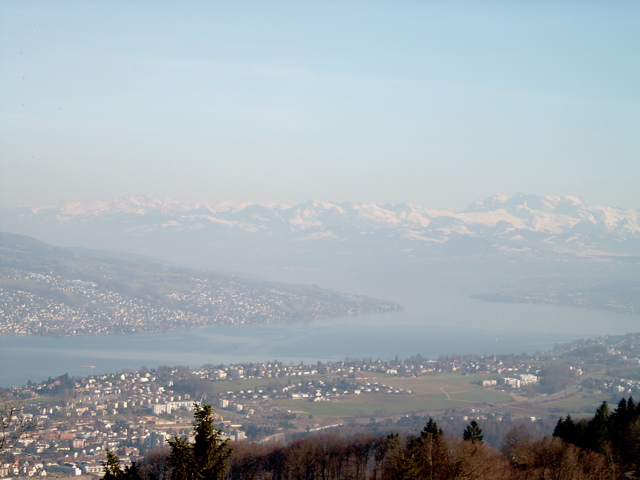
column 473, row 432
column 180, row 460
column 207, row 457
column 431, row 429
column 428, row 454
column 598, row 428
column 569, row 431
column 517, row 446
column 154, row 464
column 393, row 460
column 113, row 470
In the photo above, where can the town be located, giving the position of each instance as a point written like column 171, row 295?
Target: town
column 34, row 303
column 622, row 299
column 71, row 422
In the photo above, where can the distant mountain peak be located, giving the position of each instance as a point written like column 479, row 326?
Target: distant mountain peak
column 548, row 203
column 230, row 206
column 141, row 205
column 563, row 223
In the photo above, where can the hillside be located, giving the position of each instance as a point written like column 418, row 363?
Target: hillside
column 61, row 291
column 522, row 248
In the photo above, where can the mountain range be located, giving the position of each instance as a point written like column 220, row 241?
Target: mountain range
column 526, row 229
column 499, row 215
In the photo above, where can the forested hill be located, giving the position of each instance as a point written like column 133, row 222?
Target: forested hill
column 62, row 291
column 607, row 450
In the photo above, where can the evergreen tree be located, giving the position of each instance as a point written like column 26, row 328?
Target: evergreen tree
column 431, row 429
column 559, row 430
column 598, row 428
column 210, row 451
column 623, row 431
column 571, row 431
column 632, row 407
column 112, row 469
column 180, row 460
column 427, row 453
column 473, row 432
column 566, row 430
column 132, row 472
column 206, row 458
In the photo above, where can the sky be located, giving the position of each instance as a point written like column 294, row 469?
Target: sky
column 432, row 103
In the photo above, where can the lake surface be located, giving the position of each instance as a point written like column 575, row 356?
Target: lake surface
column 431, row 325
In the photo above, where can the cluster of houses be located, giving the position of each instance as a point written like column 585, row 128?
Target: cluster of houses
column 130, row 412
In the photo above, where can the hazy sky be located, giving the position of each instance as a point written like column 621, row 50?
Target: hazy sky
column 435, row 103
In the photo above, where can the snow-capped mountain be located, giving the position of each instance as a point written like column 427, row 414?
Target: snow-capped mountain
column 496, row 215
column 524, row 225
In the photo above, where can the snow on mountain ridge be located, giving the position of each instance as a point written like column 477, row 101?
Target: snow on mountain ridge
column 500, row 213
column 138, row 205
column 548, row 203
column 234, row 207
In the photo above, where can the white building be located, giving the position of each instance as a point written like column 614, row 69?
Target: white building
column 528, row 379
column 512, row 382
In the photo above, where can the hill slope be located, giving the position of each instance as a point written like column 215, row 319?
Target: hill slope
column 61, row 291
column 515, row 248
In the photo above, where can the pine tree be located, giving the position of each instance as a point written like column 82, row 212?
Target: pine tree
column 206, row 459
column 631, row 406
column 566, row 430
column 210, row 451
column 598, row 428
column 473, row 432
column 431, row 429
column 180, row 460
column 427, row 453
column 112, row 469
column 623, row 431
column 132, row 472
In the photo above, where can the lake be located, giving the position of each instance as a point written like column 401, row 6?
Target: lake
column 432, row 324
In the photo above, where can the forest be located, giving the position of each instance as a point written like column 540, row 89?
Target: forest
column 605, row 446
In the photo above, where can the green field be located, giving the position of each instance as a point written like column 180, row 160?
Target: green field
column 429, row 392
column 369, row 405
column 42, row 400
column 576, row 406
column 485, row 396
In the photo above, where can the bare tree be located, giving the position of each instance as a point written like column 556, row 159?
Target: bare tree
column 14, row 422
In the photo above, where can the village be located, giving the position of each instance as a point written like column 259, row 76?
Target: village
column 76, row 420
column 48, row 304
